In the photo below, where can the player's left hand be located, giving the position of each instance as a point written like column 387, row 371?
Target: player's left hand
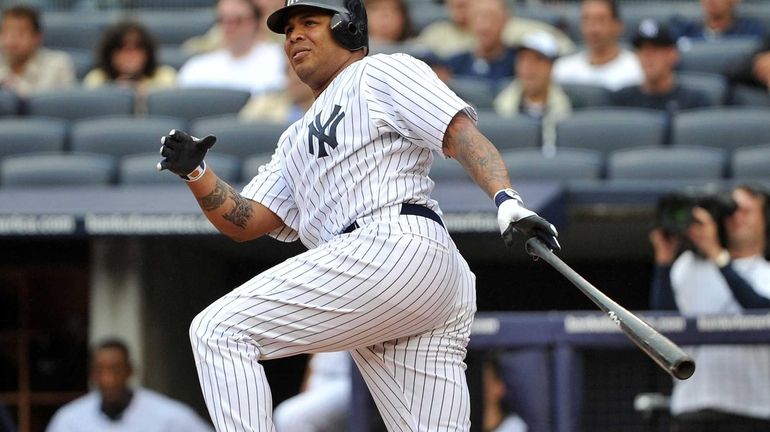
column 182, row 152
column 513, row 217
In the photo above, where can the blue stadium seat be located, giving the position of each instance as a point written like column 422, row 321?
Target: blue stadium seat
column 9, row 104
column 751, row 163
column 447, row 169
column 715, row 55
column 83, row 59
column 586, row 96
column 72, row 30
column 474, row 91
column 510, row 132
column 121, row 135
column 424, row 13
column 726, row 128
column 237, row 137
column 187, row 22
column 172, row 55
column 611, row 129
column 56, row 169
column 141, row 169
column 713, row 85
column 28, row 135
column 78, row 103
column 567, row 164
column 252, row 163
column 192, row 103
column 743, row 95
column 667, row 163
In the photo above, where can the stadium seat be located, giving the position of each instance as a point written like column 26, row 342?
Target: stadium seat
column 187, row 22
column 751, row 163
column 667, row 163
column 510, row 132
column 71, row 30
column 744, row 95
column 56, row 169
column 9, row 103
column 567, row 164
column 611, row 129
column 26, row 135
column 172, row 55
column 121, row 135
column 169, row 4
column 447, row 169
column 715, row 55
column 423, row 14
column 192, row 103
column 714, row 86
column 237, row 137
column 586, row 96
column 252, row 163
column 78, row 103
column 474, row 91
column 726, row 128
column 141, row 169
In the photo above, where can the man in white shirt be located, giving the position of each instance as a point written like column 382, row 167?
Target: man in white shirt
column 116, row 407
column 604, row 63
column 247, row 61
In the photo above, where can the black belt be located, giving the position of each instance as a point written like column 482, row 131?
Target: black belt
column 406, row 209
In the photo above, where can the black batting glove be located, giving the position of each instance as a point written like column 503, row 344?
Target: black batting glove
column 183, row 153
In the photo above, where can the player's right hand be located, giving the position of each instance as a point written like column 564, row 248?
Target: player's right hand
column 513, row 217
column 183, row 153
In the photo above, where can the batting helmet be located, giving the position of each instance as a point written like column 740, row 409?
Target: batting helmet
column 348, row 22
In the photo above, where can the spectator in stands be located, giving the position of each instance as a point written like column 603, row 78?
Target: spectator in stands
column 720, row 19
column 605, row 62
column 490, row 60
column 388, row 22
column 446, row 38
column 285, row 106
column 497, row 416
column 729, row 391
column 25, row 66
column 323, row 404
column 534, row 93
column 246, row 62
column 114, row 405
column 213, row 39
column 754, row 70
column 658, row 55
column 127, row 56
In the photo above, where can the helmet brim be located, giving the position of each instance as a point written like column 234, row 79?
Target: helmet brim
column 276, row 22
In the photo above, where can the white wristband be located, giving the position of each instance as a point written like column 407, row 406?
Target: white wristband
column 196, row 174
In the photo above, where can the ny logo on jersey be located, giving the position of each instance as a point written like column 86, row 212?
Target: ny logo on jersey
column 317, row 130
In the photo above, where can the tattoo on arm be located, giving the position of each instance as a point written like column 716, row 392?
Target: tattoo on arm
column 240, row 214
column 216, row 198
column 477, row 155
column 241, row 211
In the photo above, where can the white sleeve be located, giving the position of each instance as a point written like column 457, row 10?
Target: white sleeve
column 406, row 95
column 269, row 188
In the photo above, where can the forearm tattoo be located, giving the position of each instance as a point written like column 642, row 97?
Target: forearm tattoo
column 241, row 212
column 479, row 157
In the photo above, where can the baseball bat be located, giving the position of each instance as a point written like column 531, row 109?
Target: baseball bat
column 658, row 347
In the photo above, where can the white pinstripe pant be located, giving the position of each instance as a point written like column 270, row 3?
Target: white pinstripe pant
column 396, row 293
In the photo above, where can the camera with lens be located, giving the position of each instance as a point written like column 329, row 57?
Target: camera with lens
column 674, row 211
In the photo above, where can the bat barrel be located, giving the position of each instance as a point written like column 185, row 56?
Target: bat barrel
column 658, row 347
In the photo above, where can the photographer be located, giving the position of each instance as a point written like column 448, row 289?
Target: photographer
column 730, row 391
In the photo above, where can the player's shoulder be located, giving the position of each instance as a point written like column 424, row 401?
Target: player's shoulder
column 380, row 65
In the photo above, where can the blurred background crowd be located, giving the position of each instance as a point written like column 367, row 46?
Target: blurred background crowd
column 614, row 101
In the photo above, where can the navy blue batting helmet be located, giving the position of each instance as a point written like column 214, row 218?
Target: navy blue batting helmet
column 348, row 22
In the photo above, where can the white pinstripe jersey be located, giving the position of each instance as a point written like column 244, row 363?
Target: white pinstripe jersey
column 363, row 148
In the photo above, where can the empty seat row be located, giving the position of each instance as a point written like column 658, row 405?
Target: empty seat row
column 638, row 163
column 568, row 164
column 78, row 103
column 125, row 135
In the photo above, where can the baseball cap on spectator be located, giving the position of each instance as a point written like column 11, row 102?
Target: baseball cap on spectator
column 542, row 43
column 654, row 32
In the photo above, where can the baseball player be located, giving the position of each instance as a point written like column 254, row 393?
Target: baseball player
column 382, row 279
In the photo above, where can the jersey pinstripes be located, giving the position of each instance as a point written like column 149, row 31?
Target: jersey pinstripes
column 395, row 293
column 383, row 156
